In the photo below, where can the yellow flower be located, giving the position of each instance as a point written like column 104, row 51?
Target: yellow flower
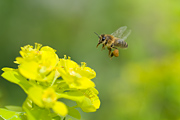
column 60, row 108
column 37, row 63
column 76, row 76
column 91, row 101
column 47, row 98
column 42, row 65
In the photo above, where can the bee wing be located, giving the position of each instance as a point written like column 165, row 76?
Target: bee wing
column 118, row 33
column 125, row 35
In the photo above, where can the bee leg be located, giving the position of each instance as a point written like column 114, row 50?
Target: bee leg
column 115, row 53
column 115, row 47
column 112, row 55
column 112, row 45
column 109, row 51
column 106, row 42
column 103, row 47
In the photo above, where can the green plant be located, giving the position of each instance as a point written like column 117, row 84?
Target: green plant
column 46, row 79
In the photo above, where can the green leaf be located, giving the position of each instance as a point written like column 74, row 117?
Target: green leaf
column 13, row 76
column 74, row 113
column 14, row 108
column 56, row 118
column 10, row 115
column 34, row 112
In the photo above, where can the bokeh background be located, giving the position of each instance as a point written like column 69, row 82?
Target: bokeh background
column 143, row 83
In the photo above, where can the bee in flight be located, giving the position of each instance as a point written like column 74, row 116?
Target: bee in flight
column 113, row 41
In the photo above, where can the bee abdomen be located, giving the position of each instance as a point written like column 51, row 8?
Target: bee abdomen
column 121, row 44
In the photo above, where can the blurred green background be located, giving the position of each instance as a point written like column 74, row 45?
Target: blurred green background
column 143, row 83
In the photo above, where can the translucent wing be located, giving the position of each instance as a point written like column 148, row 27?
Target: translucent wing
column 125, row 34
column 120, row 33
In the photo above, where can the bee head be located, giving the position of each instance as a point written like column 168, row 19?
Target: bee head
column 102, row 38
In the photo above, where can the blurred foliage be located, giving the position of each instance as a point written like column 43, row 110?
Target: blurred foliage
column 68, row 26
column 149, row 90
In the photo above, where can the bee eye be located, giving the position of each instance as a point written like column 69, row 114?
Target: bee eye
column 103, row 38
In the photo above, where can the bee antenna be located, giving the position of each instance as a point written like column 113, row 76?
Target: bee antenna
column 97, row 34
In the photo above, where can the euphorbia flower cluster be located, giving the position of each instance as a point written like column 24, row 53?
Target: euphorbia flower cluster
column 46, row 79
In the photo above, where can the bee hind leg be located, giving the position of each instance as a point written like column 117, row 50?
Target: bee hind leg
column 112, row 55
column 115, row 53
column 103, row 47
column 109, row 51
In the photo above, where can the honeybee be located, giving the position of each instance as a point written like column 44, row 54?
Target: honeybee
column 115, row 40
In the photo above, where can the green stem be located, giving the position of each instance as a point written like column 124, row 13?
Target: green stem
column 55, row 77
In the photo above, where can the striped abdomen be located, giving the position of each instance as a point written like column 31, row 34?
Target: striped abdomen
column 120, row 43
